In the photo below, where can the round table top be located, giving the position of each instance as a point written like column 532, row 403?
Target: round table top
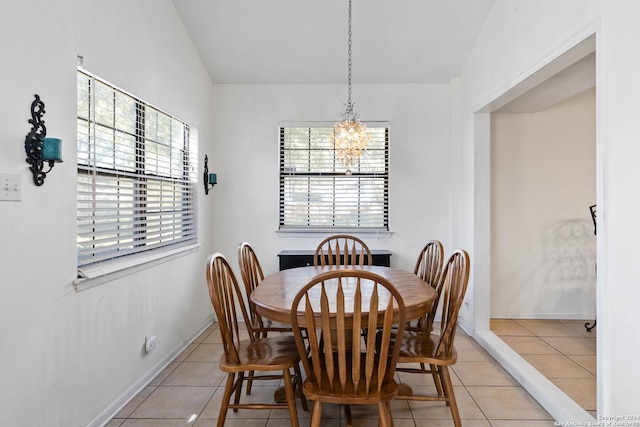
column 274, row 295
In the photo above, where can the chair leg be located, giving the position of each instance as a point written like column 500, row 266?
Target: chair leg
column 226, row 397
column 316, row 414
column 347, row 415
column 250, row 382
column 384, row 412
column 238, row 390
column 436, row 379
column 291, row 398
column 448, row 390
column 298, row 387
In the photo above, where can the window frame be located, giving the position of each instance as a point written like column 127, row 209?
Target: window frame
column 339, row 172
column 156, row 228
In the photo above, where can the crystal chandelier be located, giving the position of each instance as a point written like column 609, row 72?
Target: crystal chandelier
column 349, row 137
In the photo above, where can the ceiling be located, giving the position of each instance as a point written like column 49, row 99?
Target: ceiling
column 569, row 81
column 305, row 41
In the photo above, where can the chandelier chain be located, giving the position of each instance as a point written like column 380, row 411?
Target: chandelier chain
column 349, row 62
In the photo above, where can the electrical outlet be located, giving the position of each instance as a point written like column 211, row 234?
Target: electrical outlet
column 10, row 188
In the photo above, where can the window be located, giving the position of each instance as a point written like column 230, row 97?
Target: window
column 317, row 191
column 137, row 176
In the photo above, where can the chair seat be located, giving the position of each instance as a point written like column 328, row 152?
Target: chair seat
column 349, row 395
column 263, row 354
column 421, row 348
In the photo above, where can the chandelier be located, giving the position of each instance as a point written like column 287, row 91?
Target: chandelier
column 349, row 137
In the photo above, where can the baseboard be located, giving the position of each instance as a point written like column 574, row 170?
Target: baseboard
column 539, row 316
column 465, row 326
column 560, row 406
column 115, row 407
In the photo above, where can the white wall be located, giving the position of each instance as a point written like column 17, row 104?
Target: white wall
column 67, row 356
column 617, row 251
column 519, row 38
column 245, row 156
column 543, row 179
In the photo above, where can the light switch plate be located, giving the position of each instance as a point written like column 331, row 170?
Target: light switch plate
column 10, row 187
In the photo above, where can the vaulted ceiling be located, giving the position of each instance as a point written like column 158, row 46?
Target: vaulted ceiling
column 305, row 41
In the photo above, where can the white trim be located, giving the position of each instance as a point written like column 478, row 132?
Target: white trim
column 135, row 388
column 604, row 349
column 579, row 45
column 129, row 265
column 546, row 316
column 560, row 406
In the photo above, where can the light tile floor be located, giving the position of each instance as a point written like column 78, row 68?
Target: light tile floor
column 188, row 392
column 562, row 350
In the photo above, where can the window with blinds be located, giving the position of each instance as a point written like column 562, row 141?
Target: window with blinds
column 318, row 192
column 137, row 177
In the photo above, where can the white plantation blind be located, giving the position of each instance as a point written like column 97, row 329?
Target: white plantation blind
column 137, row 176
column 317, row 193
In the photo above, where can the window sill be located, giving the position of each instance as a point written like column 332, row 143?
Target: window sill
column 117, row 270
column 292, row 232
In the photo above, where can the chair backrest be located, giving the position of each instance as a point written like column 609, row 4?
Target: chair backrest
column 429, row 268
column 251, row 276
column 226, row 299
column 342, row 249
column 452, row 287
column 430, row 261
column 335, row 307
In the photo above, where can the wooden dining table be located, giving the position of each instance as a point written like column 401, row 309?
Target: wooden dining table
column 275, row 294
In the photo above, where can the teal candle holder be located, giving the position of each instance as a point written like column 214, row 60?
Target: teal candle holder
column 38, row 148
column 52, row 150
column 208, row 179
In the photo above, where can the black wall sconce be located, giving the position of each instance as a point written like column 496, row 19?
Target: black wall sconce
column 209, row 179
column 39, row 148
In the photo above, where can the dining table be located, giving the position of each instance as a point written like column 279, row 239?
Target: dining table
column 275, row 294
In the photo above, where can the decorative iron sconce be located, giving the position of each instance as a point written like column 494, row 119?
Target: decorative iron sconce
column 209, row 179
column 39, row 148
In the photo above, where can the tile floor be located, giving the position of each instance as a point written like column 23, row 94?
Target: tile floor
column 562, row 350
column 188, row 391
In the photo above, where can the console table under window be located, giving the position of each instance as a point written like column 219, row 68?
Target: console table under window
column 302, row 258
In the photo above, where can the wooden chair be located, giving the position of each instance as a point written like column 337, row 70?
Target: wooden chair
column 252, row 275
column 341, row 368
column 429, row 268
column 267, row 355
column 438, row 351
column 342, row 249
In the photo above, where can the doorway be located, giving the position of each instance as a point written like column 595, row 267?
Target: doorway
column 543, row 246
column 571, row 74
